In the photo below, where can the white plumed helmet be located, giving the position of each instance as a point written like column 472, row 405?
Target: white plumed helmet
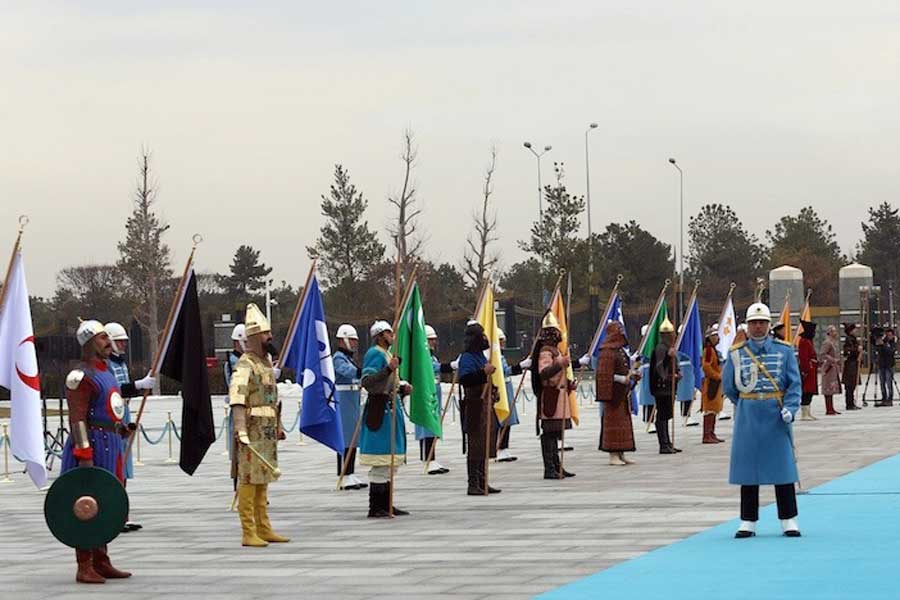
column 758, row 312
column 500, row 334
column 379, row 327
column 347, row 332
column 116, row 332
column 430, row 333
column 239, row 333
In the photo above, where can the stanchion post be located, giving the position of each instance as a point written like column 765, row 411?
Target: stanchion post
column 137, row 458
column 171, row 425
column 300, row 441
column 6, row 477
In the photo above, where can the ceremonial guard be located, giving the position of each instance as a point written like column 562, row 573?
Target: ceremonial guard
column 551, row 387
column 118, row 364
column 96, row 413
column 347, row 392
column 238, row 341
column 762, row 379
column 850, row 376
column 684, row 391
column 253, row 396
column 503, row 454
column 664, row 375
column 614, row 379
column 778, row 331
column 425, row 437
column 711, row 388
column 830, row 359
column 808, row 361
column 644, row 396
column 474, row 378
column 381, row 381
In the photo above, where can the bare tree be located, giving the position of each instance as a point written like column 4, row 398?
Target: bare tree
column 144, row 259
column 478, row 260
column 404, row 229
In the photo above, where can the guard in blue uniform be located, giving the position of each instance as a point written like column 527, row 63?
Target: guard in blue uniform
column 383, row 384
column 425, row 436
column 346, row 379
column 503, row 454
column 96, row 409
column 238, row 347
column 762, row 379
column 118, row 365
column 684, row 391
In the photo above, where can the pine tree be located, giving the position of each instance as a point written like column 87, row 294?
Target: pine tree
column 248, row 275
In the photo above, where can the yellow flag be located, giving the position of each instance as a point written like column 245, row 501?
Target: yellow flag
column 805, row 315
column 487, row 318
column 558, row 308
column 785, row 319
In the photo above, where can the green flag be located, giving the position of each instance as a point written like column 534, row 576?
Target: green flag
column 653, row 331
column 411, row 346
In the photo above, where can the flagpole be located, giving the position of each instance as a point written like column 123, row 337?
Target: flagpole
column 23, row 221
column 397, row 313
column 486, row 400
column 606, row 311
column 196, row 239
column 292, row 327
column 567, row 407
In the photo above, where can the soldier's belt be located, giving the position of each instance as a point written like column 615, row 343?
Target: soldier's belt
column 103, row 425
column 263, row 411
column 347, row 387
column 762, row 395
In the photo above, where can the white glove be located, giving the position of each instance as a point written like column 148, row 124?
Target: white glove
column 454, row 364
column 786, row 415
column 146, row 383
column 525, row 363
column 277, row 371
column 244, row 438
column 585, row 360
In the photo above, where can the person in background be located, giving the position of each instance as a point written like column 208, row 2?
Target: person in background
column 809, row 369
column 885, row 352
column 830, row 360
column 850, row 376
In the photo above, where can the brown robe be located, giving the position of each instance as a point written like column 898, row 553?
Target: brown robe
column 830, row 359
column 554, row 411
column 616, row 432
column 711, row 389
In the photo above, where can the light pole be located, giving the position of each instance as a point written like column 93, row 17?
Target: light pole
column 680, row 240
column 540, row 190
column 592, row 289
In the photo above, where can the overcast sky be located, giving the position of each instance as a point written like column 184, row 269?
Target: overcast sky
column 768, row 106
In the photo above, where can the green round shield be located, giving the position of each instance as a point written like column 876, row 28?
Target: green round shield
column 86, row 507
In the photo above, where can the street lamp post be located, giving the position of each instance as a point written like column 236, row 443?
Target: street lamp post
column 592, row 289
column 540, row 189
column 680, row 239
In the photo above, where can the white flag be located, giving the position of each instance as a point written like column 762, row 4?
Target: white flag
column 19, row 374
column 727, row 329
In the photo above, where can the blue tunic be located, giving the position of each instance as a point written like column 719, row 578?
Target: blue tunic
column 105, row 410
column 119, row 367
column 375, row 446
column 761, row 449
column 645, row 398
column 423, row 432
column 685, row 390
column 346, row 393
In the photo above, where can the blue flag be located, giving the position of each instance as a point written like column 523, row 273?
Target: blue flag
column 309, row 355
column 614, row 314
column 692, row 342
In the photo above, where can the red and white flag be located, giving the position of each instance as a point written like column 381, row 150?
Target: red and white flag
column 19, row 373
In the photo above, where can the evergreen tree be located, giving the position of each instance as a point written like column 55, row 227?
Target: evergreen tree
column 880, row 246
column 248, row 275
column 722, row 251
column 349, row 250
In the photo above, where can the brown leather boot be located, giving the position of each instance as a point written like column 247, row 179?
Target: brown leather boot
column 712, row 430
column 708, row 424
column 829, row 406
column 104, row 567
column 86, row 572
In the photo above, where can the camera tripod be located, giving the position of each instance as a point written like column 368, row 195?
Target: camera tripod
column 878, row 386
column 54, row 442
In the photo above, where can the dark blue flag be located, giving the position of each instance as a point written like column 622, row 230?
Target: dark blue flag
column 692, row 342
column 309, row 355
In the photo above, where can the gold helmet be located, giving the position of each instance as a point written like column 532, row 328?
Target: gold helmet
column 255, row 321
column 666, row 326
column 550, row 322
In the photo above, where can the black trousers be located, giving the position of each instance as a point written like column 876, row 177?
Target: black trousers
column 504, row 438
column 645, row 413
column 785, row 498
column 350, row 464
column 685, row 409
column 806, row 398
column 425, row 445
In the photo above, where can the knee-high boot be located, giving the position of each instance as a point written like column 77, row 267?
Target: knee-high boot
column 103, row 567
column 86, row 572
column 709, row 421
column 475, row 483
column 246, row 510
column 261, row 508
column 550, row 454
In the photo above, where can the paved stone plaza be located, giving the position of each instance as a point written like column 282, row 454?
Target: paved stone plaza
column 535, row 536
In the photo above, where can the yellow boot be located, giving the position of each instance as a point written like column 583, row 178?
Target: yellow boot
column 263, row 525
column 246, row 497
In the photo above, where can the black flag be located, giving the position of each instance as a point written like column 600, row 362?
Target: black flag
column 184, row 360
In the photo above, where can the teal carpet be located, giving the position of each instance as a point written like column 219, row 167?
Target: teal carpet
column 850, row 549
